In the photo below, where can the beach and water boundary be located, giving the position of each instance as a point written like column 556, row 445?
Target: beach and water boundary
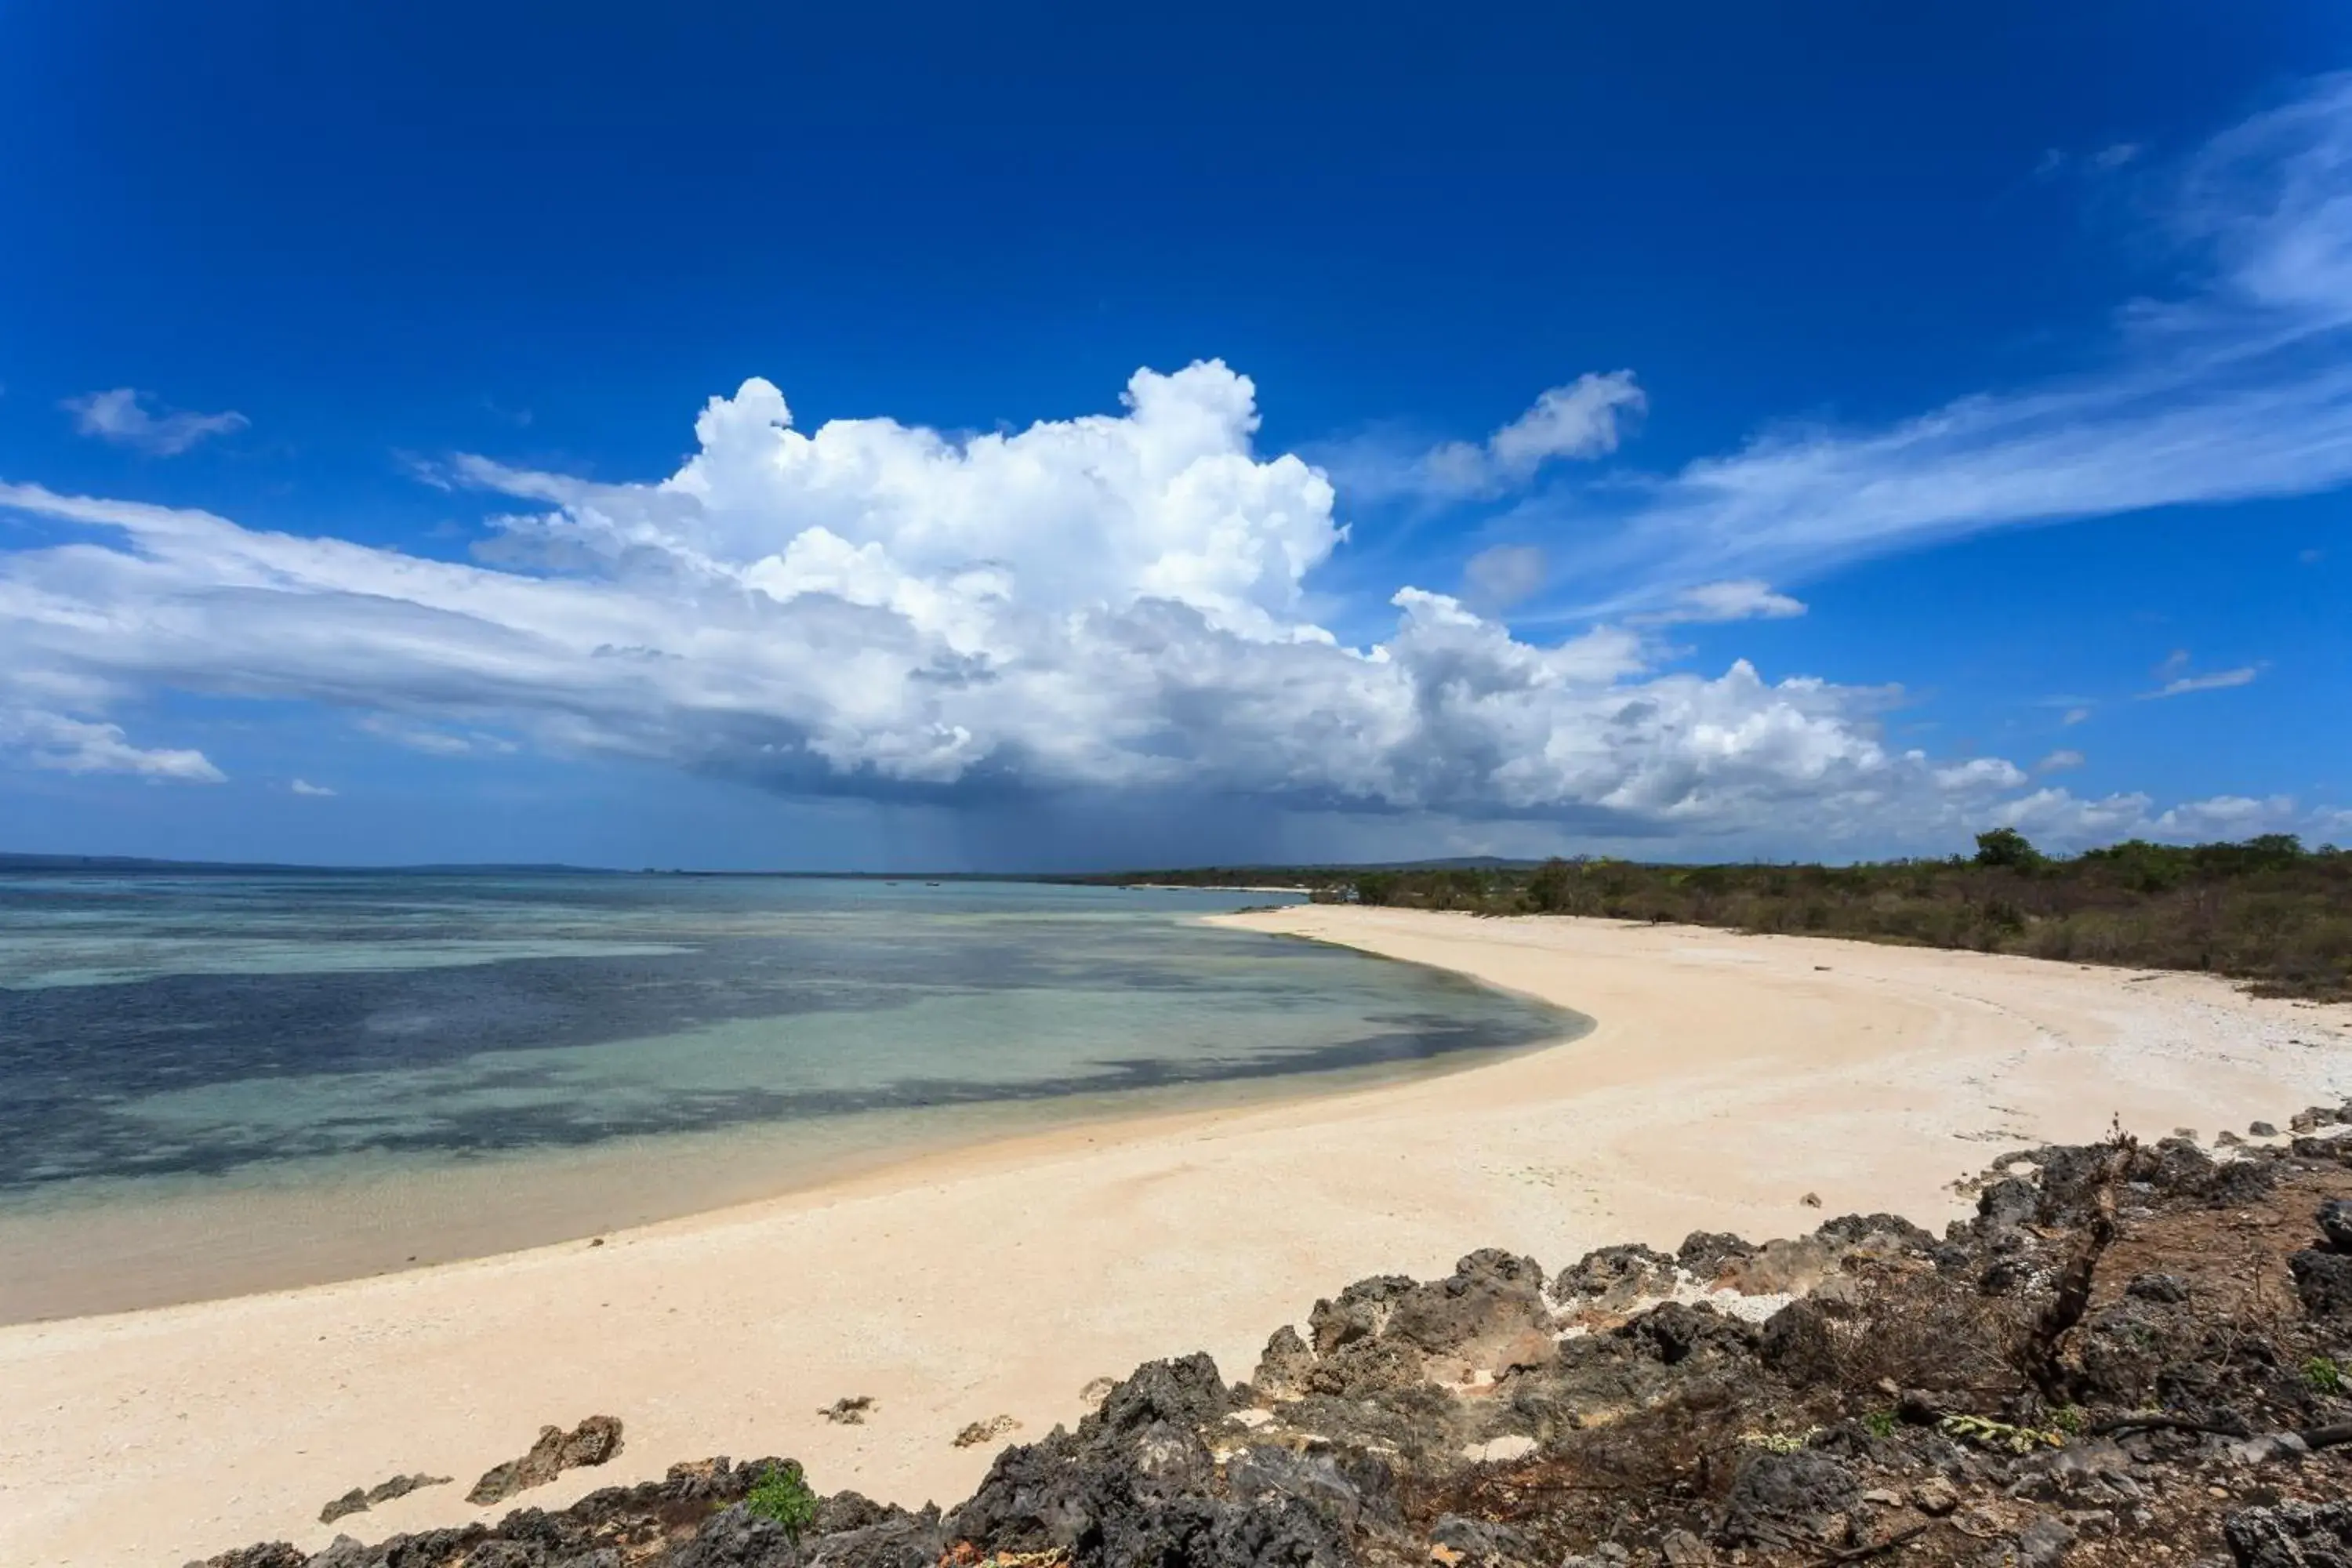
column 219, row 1085
column 1727, row 1078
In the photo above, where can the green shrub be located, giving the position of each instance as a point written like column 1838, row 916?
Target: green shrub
column 2324, row 1374
column 2266, row 911
column 2007, row 847
column 1550, row 890
column 782, row 1494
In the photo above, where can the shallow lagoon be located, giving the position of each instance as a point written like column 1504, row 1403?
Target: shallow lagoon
column 223, row 1082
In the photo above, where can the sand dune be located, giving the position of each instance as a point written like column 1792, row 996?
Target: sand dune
column 1728, row 1076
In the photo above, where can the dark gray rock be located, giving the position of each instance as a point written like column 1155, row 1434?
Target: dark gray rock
column 265, row 1554
column 848, row 1510
column 2044, row 1543
column 2071, row 1178
column 1365, row 1370
column 2178, row 1166
column 400, row 1486
column 1705, row 1251
column 1490, row 1298
column 2336, row 1224
column 1793, row 1337
column 592, row 1442
column 1881, row 1233
column 357, row 1501
column 1358, row 1312
column 1033, row 1499
column 1608, row 1554
column 1675, row 1331
column 1185, row 1393
column 1681, row 1549
column 2298, row 1535
column 1135, row 1485
column 1282, row 1369
column 736, row 1537
column 882, row 1537
column 2238, row 1183
column 2324, row 1282
column 1482, row 1544
column 2168, row 1289
column 2004, row 1276
column 348, row 1552
column 1349, row 1491
column 1787, row 1501
column 2008, row 1203
column 2261, row 1130
column 1611, row 1274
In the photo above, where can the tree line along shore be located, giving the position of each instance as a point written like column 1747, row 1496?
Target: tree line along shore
column 2266, row 910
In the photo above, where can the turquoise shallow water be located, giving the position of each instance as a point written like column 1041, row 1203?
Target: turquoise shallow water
column 278, row 1076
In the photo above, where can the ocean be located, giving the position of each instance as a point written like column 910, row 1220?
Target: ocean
column 221, row 1082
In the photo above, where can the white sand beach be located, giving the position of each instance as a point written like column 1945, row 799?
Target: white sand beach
column 1727, row 1078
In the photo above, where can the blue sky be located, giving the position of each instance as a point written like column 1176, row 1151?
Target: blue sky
column 1697, row 433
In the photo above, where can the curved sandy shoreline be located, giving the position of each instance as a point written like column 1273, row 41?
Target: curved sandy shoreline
column 1728, row 1076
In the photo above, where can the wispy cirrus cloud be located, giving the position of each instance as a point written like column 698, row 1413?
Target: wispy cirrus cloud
column 2219, row 681
column 2236, row 387
column 121, row 417
column 1739, row 599
column 2179, row 677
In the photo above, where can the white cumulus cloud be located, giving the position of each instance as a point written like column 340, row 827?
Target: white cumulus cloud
column 2066, row 820
column 1112, row 604
column 73, row 746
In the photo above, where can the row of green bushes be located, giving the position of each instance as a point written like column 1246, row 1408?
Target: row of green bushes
column 2266, row 910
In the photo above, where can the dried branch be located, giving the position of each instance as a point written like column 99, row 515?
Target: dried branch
column 1857, row 1554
